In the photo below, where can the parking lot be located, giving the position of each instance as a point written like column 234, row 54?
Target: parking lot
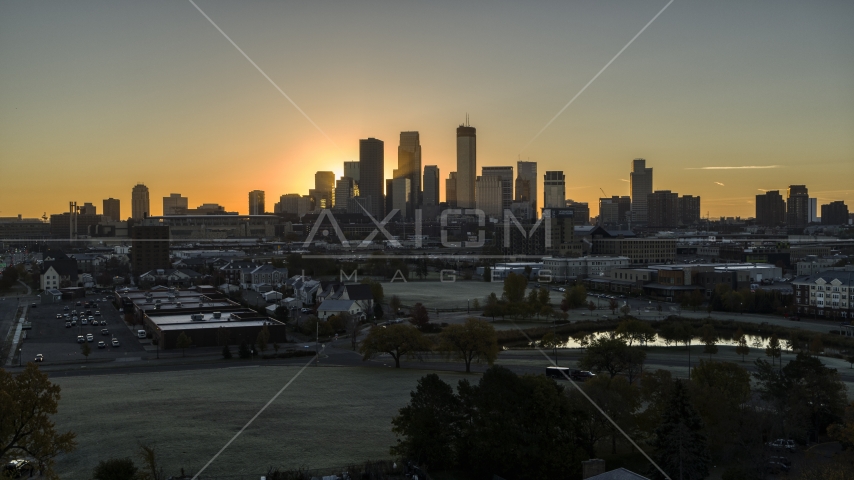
column 50, row 337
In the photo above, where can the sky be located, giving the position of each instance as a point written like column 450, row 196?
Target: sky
column 96, row 96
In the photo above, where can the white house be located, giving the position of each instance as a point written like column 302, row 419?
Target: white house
column 335, row 307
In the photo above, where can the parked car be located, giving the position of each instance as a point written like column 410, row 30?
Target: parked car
column 33, row 305
column 97, row 313
column 84, row 321
column 74, row 322
column 81, row 339
column 104, row 331
column 67, row 324
column 90, row 337
column 581, row 375
column 58, row 315
column 101, row 344
column 39, row 358
column 65, row 308
column 140, row 334
column 17, row 469
column 115, row 342
column 92, row 319
column 305, row 310
column 782, row 443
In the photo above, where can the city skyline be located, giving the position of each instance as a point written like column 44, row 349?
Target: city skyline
column 722, row 103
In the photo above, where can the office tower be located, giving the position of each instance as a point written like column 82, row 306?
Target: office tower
column 489, row 195
column 175, row 204
column 641, row 186
column 834, row 213
column 505, row 175
column 409, row 165
column 358, row 204
column 112, row 209
column 149, row 248
column 345, row 189
column 662, row 209
column 813, row 211
column 582, row 211
column 320, row 200
column 797, row 206
column 256, row 202
column 351, row 169
column 324, row 184
column 430, row 197
column 466, row 165
column 388, row 201
column 613, row 210
column 87, row 209
column 562, row 227
column 139, row 202
column 401, row 195
column 371, row 174
column 451, row 190
column 554, row 189
column 526, row 184
column 295, row 204
column 689, row 209
column 770, row 209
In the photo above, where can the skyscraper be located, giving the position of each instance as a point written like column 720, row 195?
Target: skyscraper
column 797, row 206
column 662, row 209
column 770, row 209
column 140, row 208
column 814, row 211
column 689, row 209
column 175, row 204
column 489, row 193
column 430, row 196
column 324, row 185
column 834, row 213
column 451, row 190
column 505, row 176
column 371, row 172
column 351, row 169
column 526, row 184
column 256, row 202
column 401, row 197
column 466, row 165
column 613, row 210
column 554, row 190
column 345, row 189
column 409, row 165
column 641, row 186
column 112, row 209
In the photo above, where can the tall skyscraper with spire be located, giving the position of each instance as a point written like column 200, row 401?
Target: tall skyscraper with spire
column 139, row 203
column 466, row 165
column 641, row 185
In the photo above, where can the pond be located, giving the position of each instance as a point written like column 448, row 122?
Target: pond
column 753, row 341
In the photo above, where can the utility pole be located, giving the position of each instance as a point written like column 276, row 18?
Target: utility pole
column 316, row 343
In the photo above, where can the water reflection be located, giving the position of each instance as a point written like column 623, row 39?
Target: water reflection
column 753, row 341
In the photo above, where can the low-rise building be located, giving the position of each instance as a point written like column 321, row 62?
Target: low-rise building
column 566, row 269
column 825, row 294
column 336, row 307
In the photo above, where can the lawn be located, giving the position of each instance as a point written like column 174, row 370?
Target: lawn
column 435, row 294
column 328, row 417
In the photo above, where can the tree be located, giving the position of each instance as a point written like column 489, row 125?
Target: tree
column 543, row 296
column 843, row 430
column 492, row 308
column 742, row 348
column 420, row 317
column 487, row 274
column 774, row 350
column 514, row 288
column 429, row 424
column 115, row 469
column 243, row 351
column 576, row 297
column 613, row 305
column 626, row 310
column 28, row 400
column 695, row 299
column 226, row 352
column 475, row 340
column 721, row 393
column 394, row 305
column 396, row 340
column 612, row 355
column 183, row 342
column 151, row 467
column 710, row 339
column 353, row 324
column 632, row 330
column 591, row 306
column 262, row 339
column 86, row 350
column 376, row 290
column 681, row 447
column 620, row 401
column 378, row 311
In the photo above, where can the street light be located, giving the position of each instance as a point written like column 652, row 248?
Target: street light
column 19, row 356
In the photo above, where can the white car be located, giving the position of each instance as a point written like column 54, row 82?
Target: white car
column 90, row 337
column 783, row 443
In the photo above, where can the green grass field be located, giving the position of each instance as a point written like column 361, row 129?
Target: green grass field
column 328, row 417
column 435, row 294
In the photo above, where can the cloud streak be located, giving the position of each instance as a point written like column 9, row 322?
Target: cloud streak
column 742, row 167
column 721, row 184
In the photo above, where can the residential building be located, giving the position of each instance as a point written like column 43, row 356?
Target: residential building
column 554, row 190
column 797, row 206
column 770, row 209
column 640, row 180
column 561, row 232
column 409, row 165
column 834, row 213
column 662, row 209
column 466, row 166
column 256, row 202
column 430, row 196
column 175, row 204
column 87, row 209
column 827, row 294
column 371, row 174
column 689, row 209
column 526, row 184
column 489, row 195
column 58, row 272
column 149, row 248
column 451, row 190
column 112, row 209
column 140, row 208
column 505, row 175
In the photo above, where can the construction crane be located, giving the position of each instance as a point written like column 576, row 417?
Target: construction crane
column 603, row 191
